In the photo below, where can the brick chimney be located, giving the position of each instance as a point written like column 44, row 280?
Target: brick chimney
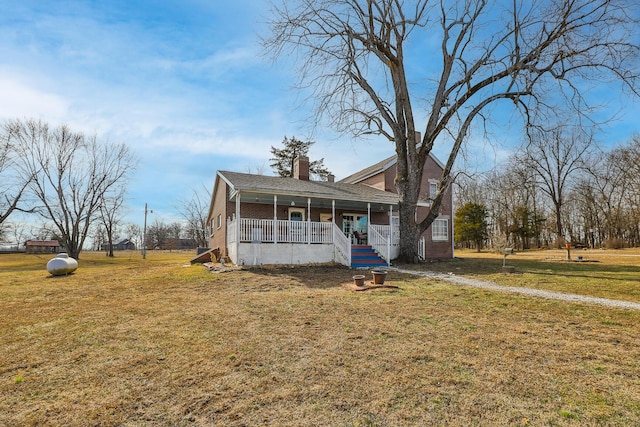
column 331, row 178
column 301, row 168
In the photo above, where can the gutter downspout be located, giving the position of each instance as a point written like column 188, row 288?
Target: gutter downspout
column 453, row 243
column 390, row 239
column 308, row 220
column 238, row 224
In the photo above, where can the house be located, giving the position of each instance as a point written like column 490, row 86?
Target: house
column 123, row 245
column 42, row 247
column 179, row 244
column 257, row 219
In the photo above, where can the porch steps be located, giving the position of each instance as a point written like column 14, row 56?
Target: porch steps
column 363, row 256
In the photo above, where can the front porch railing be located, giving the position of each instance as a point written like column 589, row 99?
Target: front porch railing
column 263, row 231
column 250, row 230
column 379, row 242
column 383, row 231
column 342, row 244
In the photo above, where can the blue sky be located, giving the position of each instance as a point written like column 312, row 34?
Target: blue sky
column 184, row 83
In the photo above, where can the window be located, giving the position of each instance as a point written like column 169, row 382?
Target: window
column 326, row 217
column 297, row 214
column 433, row 190
column 219, row 221
column 354, row 222
column 440, row 230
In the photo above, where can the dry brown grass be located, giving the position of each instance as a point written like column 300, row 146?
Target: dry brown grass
column 613, row 274
column 136, row 343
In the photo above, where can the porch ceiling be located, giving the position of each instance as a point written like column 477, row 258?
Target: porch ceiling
column 301, row 202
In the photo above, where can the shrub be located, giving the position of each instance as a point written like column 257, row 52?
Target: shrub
column 615, row 243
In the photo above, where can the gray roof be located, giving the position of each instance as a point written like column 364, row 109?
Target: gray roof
column 379, row 167
column 262, row 184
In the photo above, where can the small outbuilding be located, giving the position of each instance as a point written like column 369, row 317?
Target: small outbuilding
column 42, row 247
column 123, row 245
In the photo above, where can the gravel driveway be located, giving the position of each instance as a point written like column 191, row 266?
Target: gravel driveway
column 466, row 281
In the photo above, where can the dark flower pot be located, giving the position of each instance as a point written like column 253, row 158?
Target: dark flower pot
column 379, row 276
column 358, row 280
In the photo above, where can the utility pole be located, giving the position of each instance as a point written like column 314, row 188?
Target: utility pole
column 144, row 233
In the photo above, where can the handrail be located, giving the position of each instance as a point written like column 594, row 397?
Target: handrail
column 342, row 244
column 379, row 243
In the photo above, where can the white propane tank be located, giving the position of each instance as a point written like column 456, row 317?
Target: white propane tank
column 61, row 265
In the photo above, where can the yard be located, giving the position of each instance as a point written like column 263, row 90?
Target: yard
column 135, row 342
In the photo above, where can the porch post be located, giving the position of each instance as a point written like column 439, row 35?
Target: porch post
column 333, row 222
column 390, row 234
column 368, row 220
column 238, row 225
column 275, row 218
column 308, row 220
column 333, row 211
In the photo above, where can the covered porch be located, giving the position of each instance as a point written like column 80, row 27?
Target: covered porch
column 290, row 229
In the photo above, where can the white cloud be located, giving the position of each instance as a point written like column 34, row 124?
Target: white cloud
column 24, row 100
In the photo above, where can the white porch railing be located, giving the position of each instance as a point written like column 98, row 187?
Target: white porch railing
column 342, row 244
column 383, row 230
column 308, row 232
column 422, row 248
column 263, row 231
column 379, row 242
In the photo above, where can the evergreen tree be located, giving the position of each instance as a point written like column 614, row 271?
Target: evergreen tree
column 283, row 158
column 470, row 224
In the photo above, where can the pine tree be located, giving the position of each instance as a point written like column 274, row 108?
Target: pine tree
column 470, row 224
column 283, row 158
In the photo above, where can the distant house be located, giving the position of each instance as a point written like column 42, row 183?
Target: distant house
column 42, row 247
column 123, row 245
column 255, row 219
column 179, row 244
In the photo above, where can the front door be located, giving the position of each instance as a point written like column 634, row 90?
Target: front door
column 354, row 222
column 296, row 226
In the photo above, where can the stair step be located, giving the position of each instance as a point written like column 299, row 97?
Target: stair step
column 371, row 263
column 359, row 250
column 365, row 256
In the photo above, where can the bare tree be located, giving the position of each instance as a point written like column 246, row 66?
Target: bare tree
column 13, row 183
column 556, row 157
column 134, row 233
column 110, row 209
column 610, row 195
column 71, row 174
column 359, row 57
column 195, row 211
column 157, row 234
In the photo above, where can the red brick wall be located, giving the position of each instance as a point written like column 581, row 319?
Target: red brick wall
column 219, row 238
column 432, row 171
